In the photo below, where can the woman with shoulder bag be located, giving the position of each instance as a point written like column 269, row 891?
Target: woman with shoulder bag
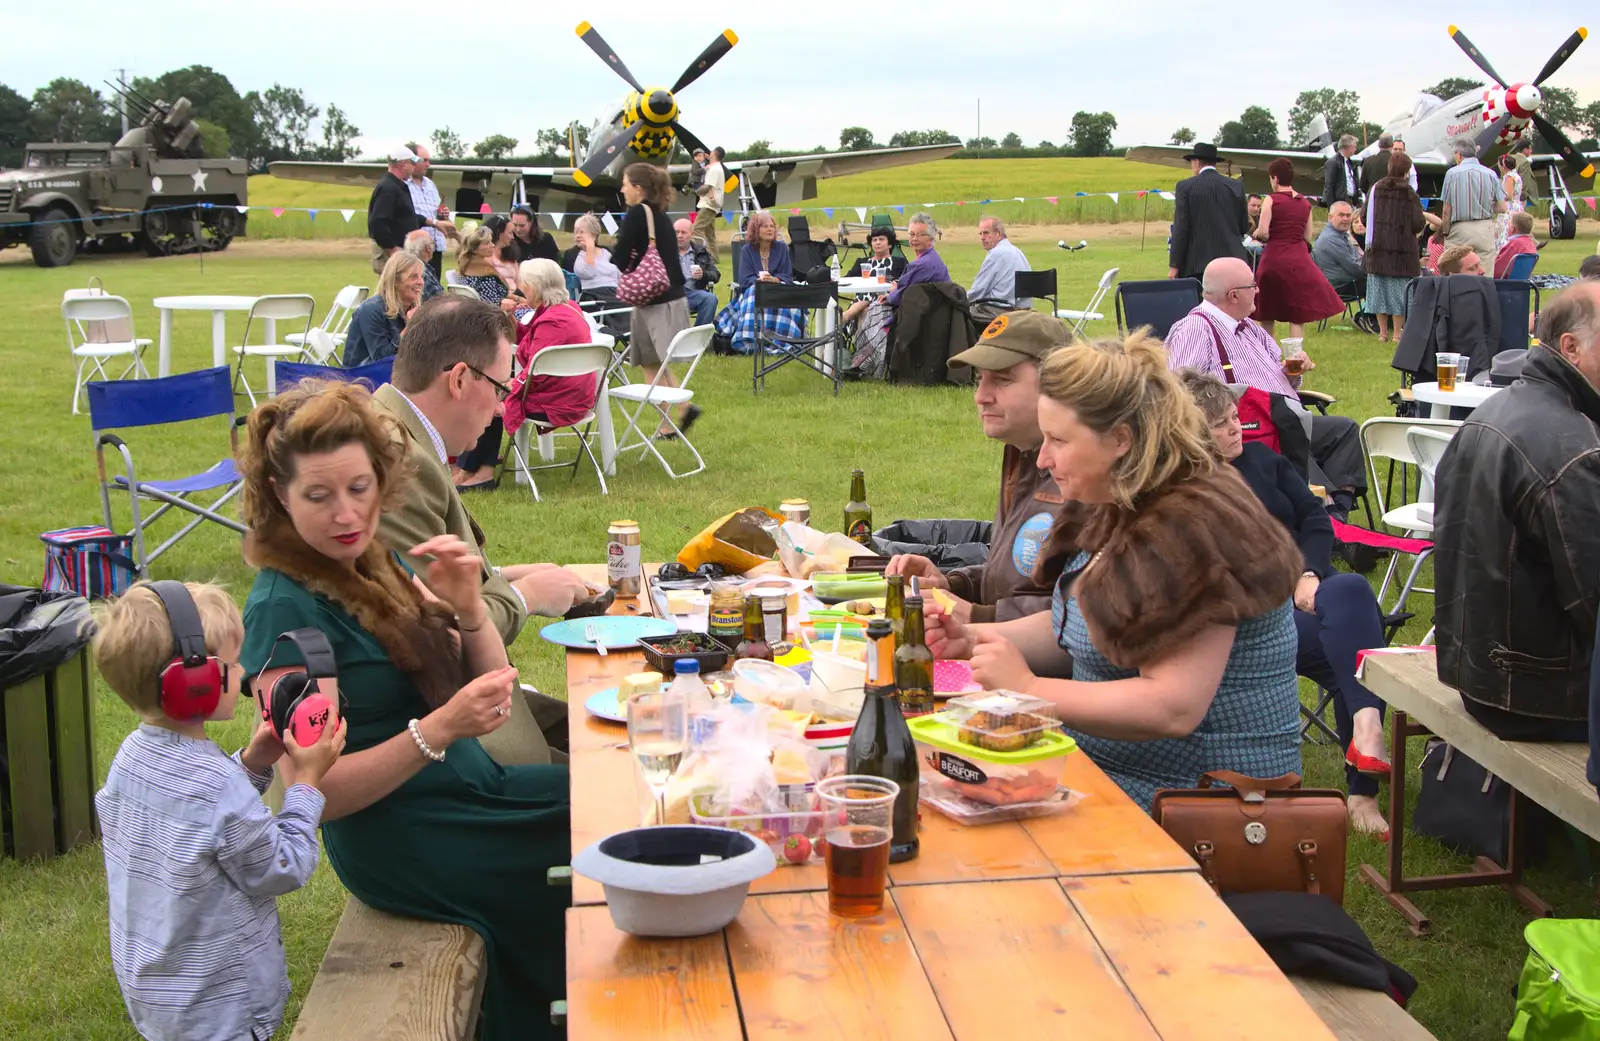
column 652, row 286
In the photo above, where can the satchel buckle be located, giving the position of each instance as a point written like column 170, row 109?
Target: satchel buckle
column 1253, row 796
column 1255, row 833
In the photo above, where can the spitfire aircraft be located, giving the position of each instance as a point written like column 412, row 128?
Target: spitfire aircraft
column 643, row 126
column 1494, row 117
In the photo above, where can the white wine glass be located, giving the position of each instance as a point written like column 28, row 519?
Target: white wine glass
column 658, row 736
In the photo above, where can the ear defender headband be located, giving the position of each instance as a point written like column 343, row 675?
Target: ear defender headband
column 193, row 681
column 296, row 703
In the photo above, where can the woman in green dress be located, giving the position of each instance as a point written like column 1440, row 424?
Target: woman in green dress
column 419, row 820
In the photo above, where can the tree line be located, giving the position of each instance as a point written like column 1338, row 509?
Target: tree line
column 1257, row 127
column 258, row 126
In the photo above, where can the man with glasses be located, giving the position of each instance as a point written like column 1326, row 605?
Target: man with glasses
column 449, row 384
column 1219, row 338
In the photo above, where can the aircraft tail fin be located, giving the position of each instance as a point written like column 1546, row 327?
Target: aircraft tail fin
column 1320, row 139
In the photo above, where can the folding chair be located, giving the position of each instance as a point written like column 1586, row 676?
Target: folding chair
column 820, row 354
column 1157, row 303
column 290, row 308
column 336, row 321
column 1517, row 296
column 100, row 328
column 145, row 403
column 1522, row 266
column 690, row 346
column 374, row 373
column 1347, row 296
column 1036, row 285
column 1091, row 313
column 573, row 359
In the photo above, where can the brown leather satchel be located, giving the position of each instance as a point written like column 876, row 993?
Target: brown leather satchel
column 1259, row 834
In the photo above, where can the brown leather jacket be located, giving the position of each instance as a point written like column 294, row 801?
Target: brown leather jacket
column 1517, row 545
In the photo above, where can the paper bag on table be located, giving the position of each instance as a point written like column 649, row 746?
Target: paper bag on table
column 805, row 550
column 738, row 541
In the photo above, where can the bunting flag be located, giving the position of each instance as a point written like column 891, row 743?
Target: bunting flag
column 1167, row 196
column 794, row 211
column 1080, row 195
column 1020, row 199
column 242, row 209
column 727, row 217
column 311, row 214
column 1143, row 193
column 900, row 209
column 930, row 205
column 984, row 203
column 1113, row 197
column 861, row 214
column 962, row 203
column 347, row 214
column 277, row 211
column 609, row 223
column 827, row 211
column 486, row 208
column 558, row 218
column 1590, row 200
column 1425, row 201
column 1053, row 200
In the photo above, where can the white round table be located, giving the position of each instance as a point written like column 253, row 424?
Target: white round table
column 1466, row 395
column 218, row 306
column 863, row 287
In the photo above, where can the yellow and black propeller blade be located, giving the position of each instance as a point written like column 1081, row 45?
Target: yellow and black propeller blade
column 591, row 36
column 708, row 57
column 1477, row 56
column 1559, row 58
column 603, row 153
column 1577, row 165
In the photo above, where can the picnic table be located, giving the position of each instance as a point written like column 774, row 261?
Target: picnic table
column 1090, row 924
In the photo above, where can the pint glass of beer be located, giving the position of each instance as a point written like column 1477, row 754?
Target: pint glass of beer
column 1294, row 356
column 1447, row 365
column 859, row 822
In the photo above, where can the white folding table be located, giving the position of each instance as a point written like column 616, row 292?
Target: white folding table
column 1440, row 402
column 219, row 306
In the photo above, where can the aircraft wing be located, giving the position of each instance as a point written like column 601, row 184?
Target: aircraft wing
column 446, row 175
column 1233, row 160
column 788, row 179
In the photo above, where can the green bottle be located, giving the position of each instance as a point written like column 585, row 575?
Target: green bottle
column 857, row 512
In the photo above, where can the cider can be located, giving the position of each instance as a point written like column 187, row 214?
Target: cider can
column 797, row 510
column 624, row 570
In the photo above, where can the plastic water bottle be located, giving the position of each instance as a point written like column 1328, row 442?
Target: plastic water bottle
column 697, row 703
column 833, row 267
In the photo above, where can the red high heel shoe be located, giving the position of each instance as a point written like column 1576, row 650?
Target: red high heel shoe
column 1366, row 765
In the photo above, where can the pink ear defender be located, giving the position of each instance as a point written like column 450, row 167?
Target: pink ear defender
column 296, row 704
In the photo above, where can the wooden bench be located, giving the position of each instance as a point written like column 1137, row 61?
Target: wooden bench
column 1550, row 774
column 387, row 978
column 1354, row 1014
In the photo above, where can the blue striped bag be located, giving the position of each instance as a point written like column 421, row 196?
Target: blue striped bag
column 93, row 561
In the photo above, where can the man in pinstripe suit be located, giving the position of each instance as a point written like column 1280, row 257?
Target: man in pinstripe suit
column 1210, row 220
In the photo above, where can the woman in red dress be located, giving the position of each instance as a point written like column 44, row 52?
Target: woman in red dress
column 1290, row 286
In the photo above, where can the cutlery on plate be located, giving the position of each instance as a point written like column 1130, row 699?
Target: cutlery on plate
column 592, row 633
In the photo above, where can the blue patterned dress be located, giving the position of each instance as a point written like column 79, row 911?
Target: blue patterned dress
column 1252, row 726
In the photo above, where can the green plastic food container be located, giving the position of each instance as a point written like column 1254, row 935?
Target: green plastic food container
column 1028, row 775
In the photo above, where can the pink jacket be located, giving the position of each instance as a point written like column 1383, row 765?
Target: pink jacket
column 561, row 399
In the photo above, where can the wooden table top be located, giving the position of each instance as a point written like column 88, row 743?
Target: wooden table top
column 1090, row 924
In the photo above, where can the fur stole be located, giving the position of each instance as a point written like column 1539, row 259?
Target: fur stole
column 419, row 635
column 1198, row 553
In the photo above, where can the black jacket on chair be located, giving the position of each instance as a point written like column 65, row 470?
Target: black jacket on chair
column 1209, row 221
column 1458, row 313
column 931, row 326
column 1517, row 552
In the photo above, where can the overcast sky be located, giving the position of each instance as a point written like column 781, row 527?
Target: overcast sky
column 1156, row 65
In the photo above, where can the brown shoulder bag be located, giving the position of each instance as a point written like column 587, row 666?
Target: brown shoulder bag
column 1259, row 834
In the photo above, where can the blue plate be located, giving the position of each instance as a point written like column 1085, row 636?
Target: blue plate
column 604, row 704
column 615, row 631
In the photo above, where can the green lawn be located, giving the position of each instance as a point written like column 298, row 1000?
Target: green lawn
column 924, row 457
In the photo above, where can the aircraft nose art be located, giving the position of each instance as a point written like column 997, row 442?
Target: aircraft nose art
column 1524, row 99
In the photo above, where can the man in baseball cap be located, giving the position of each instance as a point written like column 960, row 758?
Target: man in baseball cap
column 1003, row 587
column 391, row 216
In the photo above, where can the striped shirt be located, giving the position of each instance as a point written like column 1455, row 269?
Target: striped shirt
column 1471, row 189
column 195, row 862
column 1257, row 361
column 425, row 200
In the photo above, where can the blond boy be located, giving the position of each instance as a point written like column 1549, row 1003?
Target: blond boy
column 194, row 860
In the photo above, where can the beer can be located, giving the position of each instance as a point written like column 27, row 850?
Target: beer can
column 624, row 571
column 797, row 510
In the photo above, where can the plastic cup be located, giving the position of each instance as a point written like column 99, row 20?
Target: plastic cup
column 858, row 814
column 1447, row 365
column 1294, row 356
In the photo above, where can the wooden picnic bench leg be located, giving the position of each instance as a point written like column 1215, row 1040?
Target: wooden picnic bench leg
column 1485, row 872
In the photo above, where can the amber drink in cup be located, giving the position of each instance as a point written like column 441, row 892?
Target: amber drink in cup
column 1447, row 364
column 859, row 822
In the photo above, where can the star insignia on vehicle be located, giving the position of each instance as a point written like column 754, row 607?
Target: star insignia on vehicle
column 200, row 180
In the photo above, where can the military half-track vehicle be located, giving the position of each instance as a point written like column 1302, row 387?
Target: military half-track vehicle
column 151, row 190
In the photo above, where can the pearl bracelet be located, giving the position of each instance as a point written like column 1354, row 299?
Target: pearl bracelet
column 422, row 746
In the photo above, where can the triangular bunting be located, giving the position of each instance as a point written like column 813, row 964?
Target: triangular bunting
column 1425, row 201
column 961, row 203
column 485, row 208
column 929, row 205
column 609, row 223
column 312, row 214
column 1142, row 194
column 794, row 211
column 1021, row 199
column 1167, row 196
column 1052, row 199
column 1081, row 195
column 347, row 214
column 828, row 212
column 1590, row 201
column 984, row 203
column 277, row 211
column 861, row 214
column 557, row 217
column 242, row 209
column 1113, row 197
column 727, row 217
column 900, row 209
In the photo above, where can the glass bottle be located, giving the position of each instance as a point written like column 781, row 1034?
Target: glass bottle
column 881, row 743
column 754, row 644
column 894, row 605
column 857, row 512
column 913, row 664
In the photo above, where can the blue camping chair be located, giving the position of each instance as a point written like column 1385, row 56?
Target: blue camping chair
column 1521, row 267
column 374, row 373
column 1518, row 299
column 145, row 403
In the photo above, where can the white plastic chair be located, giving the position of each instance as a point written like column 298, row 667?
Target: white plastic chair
column 281, row 308
column 572, row 359
column 320, row 348
column 688, row 346
column 1090, row 314
column 337, row 320
column 460, row 290
column 100, row 328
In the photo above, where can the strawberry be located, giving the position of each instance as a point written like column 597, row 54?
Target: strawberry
column 797, row 850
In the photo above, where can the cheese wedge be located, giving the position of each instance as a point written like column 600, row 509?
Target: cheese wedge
column 680, row 602
column 638, row 683
column 943, row 599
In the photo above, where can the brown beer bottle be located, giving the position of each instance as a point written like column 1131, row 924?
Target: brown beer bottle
column 754, row 644
column 881, row 744
column 857, row 513
column 913, row 664
column 894, row 605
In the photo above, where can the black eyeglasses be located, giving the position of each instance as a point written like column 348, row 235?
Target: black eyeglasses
column 1240, row 289
column 501, row 391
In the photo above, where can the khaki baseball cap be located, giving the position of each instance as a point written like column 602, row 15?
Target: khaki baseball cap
column 1014, row 337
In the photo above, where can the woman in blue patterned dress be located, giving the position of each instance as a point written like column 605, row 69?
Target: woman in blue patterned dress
column 1174, row 591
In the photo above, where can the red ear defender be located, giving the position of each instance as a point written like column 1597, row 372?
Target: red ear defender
column 192, row 683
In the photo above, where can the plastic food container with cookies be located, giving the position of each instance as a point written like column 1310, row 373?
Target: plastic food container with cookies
column 998, row 748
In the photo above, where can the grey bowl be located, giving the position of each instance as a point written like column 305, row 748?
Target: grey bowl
column 678, row 880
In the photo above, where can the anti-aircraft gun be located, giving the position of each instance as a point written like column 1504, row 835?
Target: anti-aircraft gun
column 152, row 188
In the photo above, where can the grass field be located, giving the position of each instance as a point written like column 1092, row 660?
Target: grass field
column 924, row 456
